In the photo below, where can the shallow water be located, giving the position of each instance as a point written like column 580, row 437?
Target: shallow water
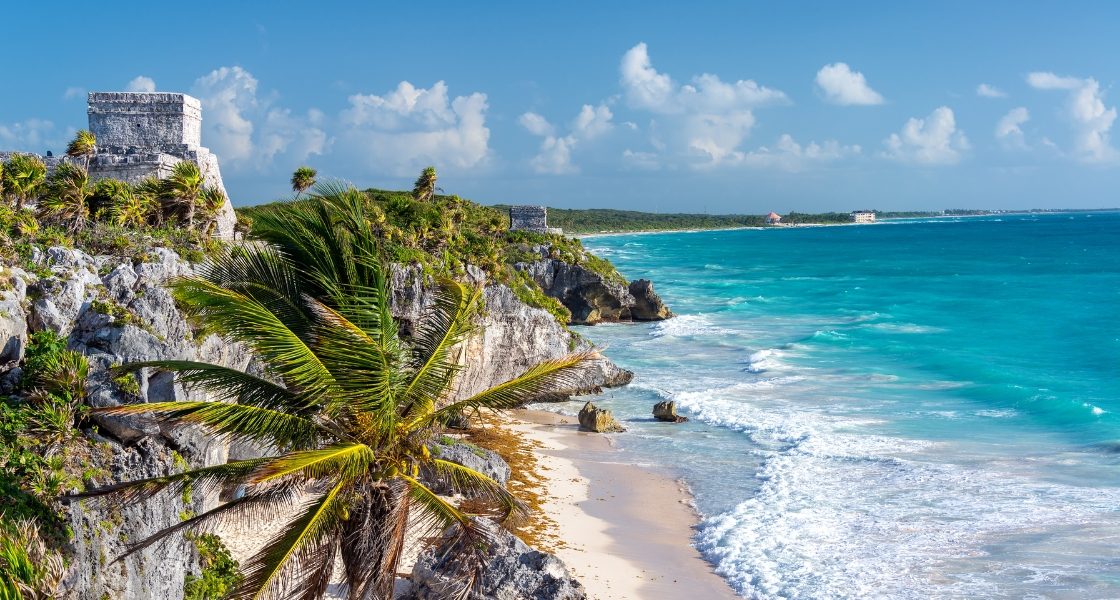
column 923, row 409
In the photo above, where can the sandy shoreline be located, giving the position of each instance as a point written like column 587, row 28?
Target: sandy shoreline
column 623, row 531
column 626, row 530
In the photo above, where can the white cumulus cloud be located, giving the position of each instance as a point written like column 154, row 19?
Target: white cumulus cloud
column 141, row 84
column 32, row 135
column 700, row 123
column 841, row 85
column 789, row 155
column 934, row 140
column 555, row 154
column 989, row 91
column 1085, row 108
column 593, row 122
column 536, row 124
column 74, row 92
column 1009, row 129
column 408, row 128
column 244, row 129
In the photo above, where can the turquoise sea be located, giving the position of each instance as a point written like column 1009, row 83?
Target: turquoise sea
column 912, row 409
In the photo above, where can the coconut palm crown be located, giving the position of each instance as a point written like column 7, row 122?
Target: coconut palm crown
column 425, row 187
column 66, row 196
column 181, row 190
column 302, row 179
column 24, row 175
column 347, row 403
column 84, row 145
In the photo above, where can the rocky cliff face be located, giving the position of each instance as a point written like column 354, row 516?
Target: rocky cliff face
column 115, row 310
column 591, row 297
column 512, row 337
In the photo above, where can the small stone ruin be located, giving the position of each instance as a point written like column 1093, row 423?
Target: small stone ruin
column 142, row 134
column 531, row 218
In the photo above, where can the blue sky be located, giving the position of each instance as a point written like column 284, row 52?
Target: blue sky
column 716, row 107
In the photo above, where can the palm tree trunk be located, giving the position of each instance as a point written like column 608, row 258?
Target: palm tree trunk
column 190, row 215
column 373, row 541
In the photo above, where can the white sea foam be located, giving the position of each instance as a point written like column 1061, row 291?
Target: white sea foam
column 997, row 414
column 904, row 328
column 842, row 513
column 764, row 360
column 688, row 325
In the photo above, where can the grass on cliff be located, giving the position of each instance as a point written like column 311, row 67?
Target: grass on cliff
column 447, row 233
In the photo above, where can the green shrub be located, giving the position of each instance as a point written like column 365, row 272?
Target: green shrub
column 44, row 352
column 29, row 568
column 220, row 572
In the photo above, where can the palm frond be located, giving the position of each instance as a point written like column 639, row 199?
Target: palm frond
column 242, row 318
column 304, row 540
column 255, row 506
column 446, row 324
column 206, row 478
column 239, row 421
column 228, row 384
column 465, row 480
column 346, row 460
column 545, row 377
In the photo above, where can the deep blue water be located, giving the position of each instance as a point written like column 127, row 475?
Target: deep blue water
column 924, row 409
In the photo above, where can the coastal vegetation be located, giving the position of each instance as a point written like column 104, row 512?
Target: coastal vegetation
column 105, row 216
column 349, row 399
column 602, row 220
column 302, row 180
column 445, row 235
column 350, row 405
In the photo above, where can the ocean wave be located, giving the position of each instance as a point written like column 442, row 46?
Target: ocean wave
column 850, row 516
column 688, row 326
column 904, row 328
column 997, row 414
column 764, row 360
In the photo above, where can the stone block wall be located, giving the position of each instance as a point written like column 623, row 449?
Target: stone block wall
column 528, row 218
column 156, row 121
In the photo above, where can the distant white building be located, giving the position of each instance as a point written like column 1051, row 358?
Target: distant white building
column 773, row 218
column 863, row 216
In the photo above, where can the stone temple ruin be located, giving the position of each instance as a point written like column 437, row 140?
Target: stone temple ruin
column 531, row 218
column 146, row 134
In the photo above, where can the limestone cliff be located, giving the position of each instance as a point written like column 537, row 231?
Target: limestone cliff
column 116, row 310
column 511, row 337
column 113, row 311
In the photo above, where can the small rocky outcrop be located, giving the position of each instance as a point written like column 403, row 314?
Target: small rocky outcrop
column 485, row 461
column 598, row 420
column 667, row 411
column 513, row 571
column 648, row 306
column 591, row 297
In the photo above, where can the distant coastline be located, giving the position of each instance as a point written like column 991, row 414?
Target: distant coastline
column 881, row 220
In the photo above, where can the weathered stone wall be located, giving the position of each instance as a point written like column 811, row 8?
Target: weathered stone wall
column 528, row 218
column 158, row 121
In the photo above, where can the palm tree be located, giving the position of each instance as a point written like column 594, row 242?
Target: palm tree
column 24, row 174
column 211, row 201
column 67, row 196
column 151, row 187
column 303, row 179
column 83, row 145
column 181, row 190
column 130, row 206
column 351, row 416
column 425, row 187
